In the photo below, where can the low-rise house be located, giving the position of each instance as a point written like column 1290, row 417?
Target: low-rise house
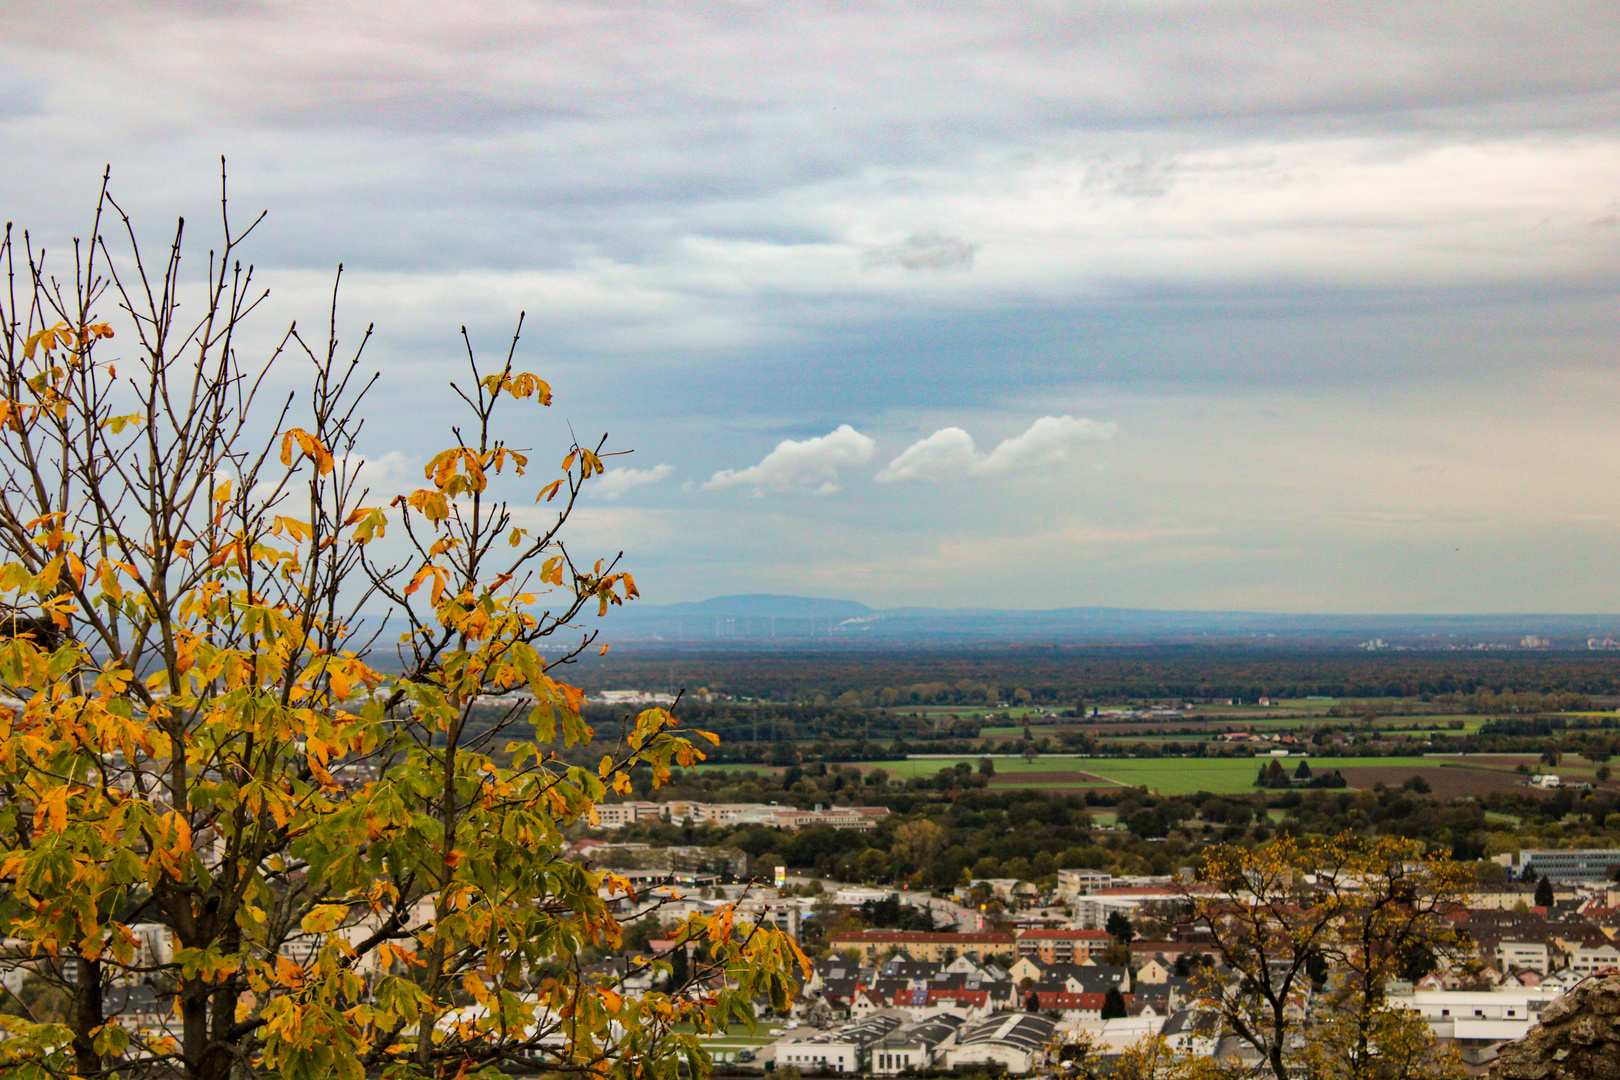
column 1192, row 1031
column 1086, row 978
column 1156, row 970
column 1143, row 949
column 1072, row 1006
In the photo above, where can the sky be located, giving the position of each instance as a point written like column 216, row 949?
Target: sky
column 1193, row 305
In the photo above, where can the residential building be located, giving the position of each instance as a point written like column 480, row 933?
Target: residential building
column 1063, row 946
column 921, row 945
column 1192, row 1031
column 1584, row 962
column 1156, row 970
column 1073, row 1006
column 1524, row 955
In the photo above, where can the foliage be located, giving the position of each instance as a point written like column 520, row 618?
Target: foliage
column 1276, row 913
column 355, row 883
column 918, row 843
column 1402, row 1046
column 1149, row 1058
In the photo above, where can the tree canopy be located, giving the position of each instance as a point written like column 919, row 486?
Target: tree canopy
column 219, row 779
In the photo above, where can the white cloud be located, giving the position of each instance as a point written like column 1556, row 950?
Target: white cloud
column 949, row 453
column 811, row 465
column 389, row 473
column 615, row 482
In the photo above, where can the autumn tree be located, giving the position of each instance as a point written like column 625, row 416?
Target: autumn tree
column 918, row 843
column 1345, row 913
column 337, row 840
column 1148, row 1058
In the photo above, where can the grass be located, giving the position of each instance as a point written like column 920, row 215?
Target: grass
column 1185, row 776
column 1180, row 776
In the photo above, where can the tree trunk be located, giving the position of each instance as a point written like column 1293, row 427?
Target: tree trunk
column 87, row 1017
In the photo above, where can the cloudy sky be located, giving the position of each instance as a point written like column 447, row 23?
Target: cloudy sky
column 1278, row 306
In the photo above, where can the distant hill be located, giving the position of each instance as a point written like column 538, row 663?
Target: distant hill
column 791, row 621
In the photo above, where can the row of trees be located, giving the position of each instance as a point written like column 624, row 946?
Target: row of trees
column 1064, row 678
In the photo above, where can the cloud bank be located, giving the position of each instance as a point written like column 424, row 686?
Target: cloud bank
column 1354, row 263
column 811, row 465
column 950, row 454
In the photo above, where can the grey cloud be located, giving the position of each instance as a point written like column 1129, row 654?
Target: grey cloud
column 923, row 251
column 1142, row 175
column 20, row 97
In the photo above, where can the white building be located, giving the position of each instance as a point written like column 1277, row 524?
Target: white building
column 618, row 815
column 1519, row 1005
column 1584, row 962
column 819, row 1053
column 1115, row 1036
column 1524, row 955
column 1076, row 883
column 1018, row 1042
column 912, row 1049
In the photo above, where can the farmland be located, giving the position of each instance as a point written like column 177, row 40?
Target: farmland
column 1450, row 776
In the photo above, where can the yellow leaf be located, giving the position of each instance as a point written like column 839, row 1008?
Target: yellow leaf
column 323, row 918
column 288, row 973
column 182, row 832
column 51, row 814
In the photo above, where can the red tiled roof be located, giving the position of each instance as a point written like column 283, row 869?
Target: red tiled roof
column 1064, row 935
column 1063, row 1000
column 961, row 997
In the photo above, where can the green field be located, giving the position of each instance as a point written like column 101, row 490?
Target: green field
column 1169, row 776
column 1185, row 776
